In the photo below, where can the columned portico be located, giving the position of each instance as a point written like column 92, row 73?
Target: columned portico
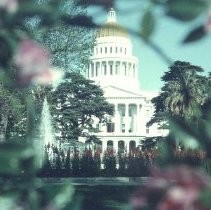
column 114, row 67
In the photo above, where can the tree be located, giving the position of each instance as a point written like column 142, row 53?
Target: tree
column 77, row 103
column 183, row 93
column 11, row 109
column 70, row 46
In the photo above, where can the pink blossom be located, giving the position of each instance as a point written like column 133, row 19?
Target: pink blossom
column 175, row 188
column 9, row 5
column 208, row 22
column 33, row 65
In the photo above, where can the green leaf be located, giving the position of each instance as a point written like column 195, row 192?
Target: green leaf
column 195, row 35
column 147, row 24
column 14, row 158
column 205, row 196
column 184, row 134
column 186, row 10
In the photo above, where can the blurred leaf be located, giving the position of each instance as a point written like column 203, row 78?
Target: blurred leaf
column 107, row 4
column 186, row 10
column 7, row 201
column 7, row 47
column 117, row 205
column 205, row 197
column 195, row 34
column 59, row 195
column 30, row 10
column 79, row 20
column 147, row 24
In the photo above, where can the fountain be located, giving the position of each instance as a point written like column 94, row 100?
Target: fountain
column 46, row 130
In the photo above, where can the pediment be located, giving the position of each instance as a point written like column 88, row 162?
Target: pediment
column 112, row 91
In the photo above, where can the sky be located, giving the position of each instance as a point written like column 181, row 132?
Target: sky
column 168, row 35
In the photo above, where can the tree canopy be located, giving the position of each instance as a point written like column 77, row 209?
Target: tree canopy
column 78, row 102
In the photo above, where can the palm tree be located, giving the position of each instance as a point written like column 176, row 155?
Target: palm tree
column 183, row 93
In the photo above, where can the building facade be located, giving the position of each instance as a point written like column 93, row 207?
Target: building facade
column 115, row 69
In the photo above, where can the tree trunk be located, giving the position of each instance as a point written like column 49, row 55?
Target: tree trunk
column 3, row 126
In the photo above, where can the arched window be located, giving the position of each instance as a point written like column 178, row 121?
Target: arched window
column 121, row 146
column 132, row 146
column 98, row 146
column 110, row 145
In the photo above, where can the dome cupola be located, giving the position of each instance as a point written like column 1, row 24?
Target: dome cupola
column 111, row 27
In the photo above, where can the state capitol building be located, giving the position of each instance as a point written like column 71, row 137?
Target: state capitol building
column 115, row 69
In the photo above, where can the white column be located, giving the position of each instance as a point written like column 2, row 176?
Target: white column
column 94, row 67
column 139, row 120
column 107, row 68
column 116, row 119
column 100, row 69
column 127, row 125
column 121, row 72
column 104, row 145
column 115, row 142
column 127, row 69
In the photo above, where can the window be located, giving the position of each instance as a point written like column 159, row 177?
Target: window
column 111, row 69
column 96, row 73
column 101, row 49
column 125, row 51
column 121, row 146
column 110, row 49
column 116, row 49
column 120, row 49
column 130, row 112
column 123, row 128
column 96, row 50
column 110, row 127
column 117, row 69
column 147, row 113
column 123, row 113
column 105, row 49
column 92, row 72
column 105, row 69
